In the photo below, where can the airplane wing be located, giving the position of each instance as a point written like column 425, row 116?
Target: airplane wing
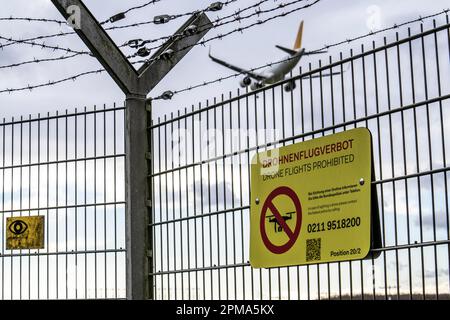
column 314, row 52
column 257, row 76
column 322, row 76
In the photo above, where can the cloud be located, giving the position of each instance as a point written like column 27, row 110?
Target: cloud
column 217, row 193
column 442, row 272
column 428, row 221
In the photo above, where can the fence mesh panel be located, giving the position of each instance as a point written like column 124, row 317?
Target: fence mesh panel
column 398, row 89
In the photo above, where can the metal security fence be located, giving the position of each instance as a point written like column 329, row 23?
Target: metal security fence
column 69, row 168
column 399, row 89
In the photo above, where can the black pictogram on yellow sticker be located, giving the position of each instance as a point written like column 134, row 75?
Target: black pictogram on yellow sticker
column 18, row 227
column 25, row 233
column 279, row 220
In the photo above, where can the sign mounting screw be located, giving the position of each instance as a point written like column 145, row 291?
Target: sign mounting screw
column 361, row 181
column 257, row 200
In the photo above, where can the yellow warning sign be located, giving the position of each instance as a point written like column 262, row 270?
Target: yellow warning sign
column 311, row 201
column 25, row 233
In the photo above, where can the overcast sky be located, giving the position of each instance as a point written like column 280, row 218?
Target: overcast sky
column 327, row 22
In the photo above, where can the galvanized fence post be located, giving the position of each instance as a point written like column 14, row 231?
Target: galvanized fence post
column 136, row 196
column 149, row 229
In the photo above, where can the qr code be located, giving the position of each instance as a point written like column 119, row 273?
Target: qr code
column 313, row 249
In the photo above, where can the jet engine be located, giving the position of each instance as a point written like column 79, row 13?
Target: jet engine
column 290, row 86
column 245, row 82
column 256, row 85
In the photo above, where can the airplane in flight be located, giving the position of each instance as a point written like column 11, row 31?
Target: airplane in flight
column 278, row 71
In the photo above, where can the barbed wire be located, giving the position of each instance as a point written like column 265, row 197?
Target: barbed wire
column 121, row 15
column 68, row 50
column 111, row 28
column 54, row 48
column 141, row 43
column 161, row 19
column 169, row 94
column 208, row 26
column 18, row 41
column 170, row 17
column 51, row 83
column 395, row 26
column 54, row 82
column 240, row 29
column 238, row 12
column 59, row 22
column 18, row 64
column 237, row 18
column 206, row 83
column 63, row 34
column 43, row 46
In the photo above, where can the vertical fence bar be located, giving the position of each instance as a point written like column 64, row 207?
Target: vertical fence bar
column 104, row 207
column 12, row 203
column 249, row 173
column 417, row 163
column 3, row 207
column 185, row 149
column 247, row 127
column 21, row 205
column 172, row 174
column 442, row 130
column 233, row 204
column 166, row 197
column 430, row 154
column 391, row 143
column 29, row 202
column 39, row 193
column 405, row 169
column 47, row 225
column 180, row 192
column 194, row 200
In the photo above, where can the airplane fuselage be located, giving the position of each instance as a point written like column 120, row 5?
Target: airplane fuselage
column 273, row 74
column 278, row 72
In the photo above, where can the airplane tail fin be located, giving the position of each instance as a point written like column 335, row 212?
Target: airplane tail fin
column 298, row 40
column 297, row 44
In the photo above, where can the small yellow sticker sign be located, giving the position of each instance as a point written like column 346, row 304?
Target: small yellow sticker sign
column 25, row 233
column 311, row 201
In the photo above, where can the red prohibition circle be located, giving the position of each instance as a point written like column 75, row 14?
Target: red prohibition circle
column 292, row 235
